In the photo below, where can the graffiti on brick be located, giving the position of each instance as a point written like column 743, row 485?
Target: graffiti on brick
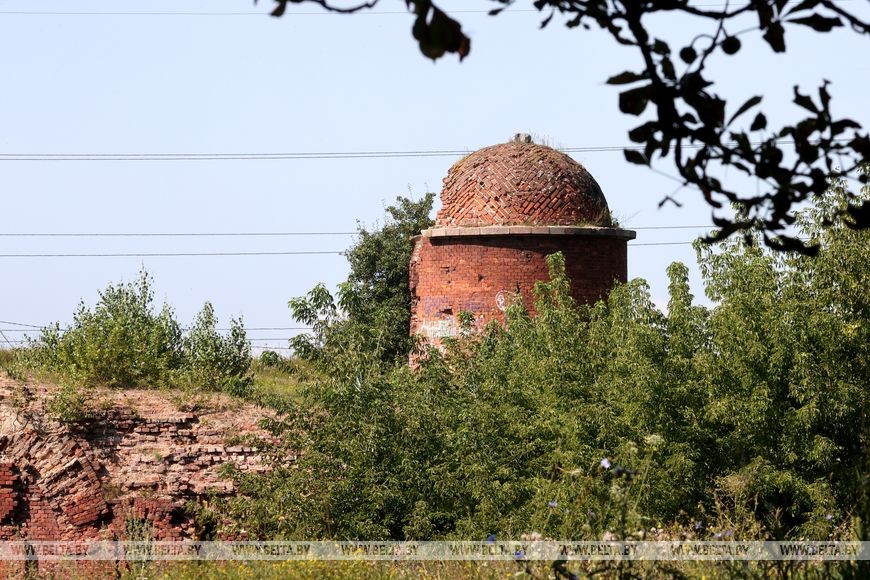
column 439, row 328
column 505, row 298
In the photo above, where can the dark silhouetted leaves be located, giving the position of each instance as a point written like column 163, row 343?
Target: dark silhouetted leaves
column 861, row 144
column 634, row 101
column 635, row 157
column 668, row 69
column 279, row 10
column 643, row 132
column 687, row 116
column 661, row 47
column 775, row 37
column 818, row 22
column 804, row 101
column 789, row 244
column 759, row 123
column 745, row 107
column 860, row 214
column 688, row 54
column 731, row 45
column 440, row 34
column 626, row 77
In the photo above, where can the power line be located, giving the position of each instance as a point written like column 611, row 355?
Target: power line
column 171, row 254
column 167, row 234
column 290, row 14
column 20, row 324
column 660, row 244
column 306, row 155
column 249, row 13
column 238, row 234
column 232, row 254
column 667, row 227
column 256, row 156
column 9, row 342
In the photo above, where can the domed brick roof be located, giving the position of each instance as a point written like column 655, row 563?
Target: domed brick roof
column 520, row 183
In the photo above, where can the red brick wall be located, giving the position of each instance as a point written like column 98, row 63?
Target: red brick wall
column 8, row 500
column 452, row 274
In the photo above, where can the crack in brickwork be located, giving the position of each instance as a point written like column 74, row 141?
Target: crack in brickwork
column 520, row 184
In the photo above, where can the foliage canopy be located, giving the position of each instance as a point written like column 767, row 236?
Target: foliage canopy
column 748, row 418
column 372, row 309
column 123, row 343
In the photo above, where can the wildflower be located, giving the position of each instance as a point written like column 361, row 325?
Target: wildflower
column 717, row 535
column 591, row 514
column 729, row 533
column 829, row 517
column 620, row 470
column 553, row 503
column 697, row 525
column 490, row 538
column 605, row 463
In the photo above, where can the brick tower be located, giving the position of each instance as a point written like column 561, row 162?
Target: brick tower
column 504, row 209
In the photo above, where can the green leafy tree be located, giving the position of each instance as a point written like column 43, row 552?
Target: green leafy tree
column 748, row 416
column 372, row 308
column 216, row 362
column 122, row 342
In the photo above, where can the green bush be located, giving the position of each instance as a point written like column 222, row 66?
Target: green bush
column 122, row 342
column 750, row 416
column 270, row 359
column 69, row 405
column 216, row 362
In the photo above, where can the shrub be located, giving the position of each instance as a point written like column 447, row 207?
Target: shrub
column 122, row 342
column 215, row 362
column 270, row 359
column 69, row 405
column 586, row 421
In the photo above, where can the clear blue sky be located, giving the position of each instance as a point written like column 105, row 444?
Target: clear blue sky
column 309, row 83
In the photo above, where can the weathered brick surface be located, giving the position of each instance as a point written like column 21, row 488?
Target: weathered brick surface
column 469, row 262
column 482, row 274
column 8, row 496
column 91, row 480
column 520, row 184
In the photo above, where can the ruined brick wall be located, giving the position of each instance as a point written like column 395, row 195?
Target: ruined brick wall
column 482, row 274
column 92, row 479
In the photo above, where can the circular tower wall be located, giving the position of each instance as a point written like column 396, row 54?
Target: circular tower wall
column 505, row 208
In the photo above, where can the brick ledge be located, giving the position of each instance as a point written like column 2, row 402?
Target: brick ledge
column 583, row 231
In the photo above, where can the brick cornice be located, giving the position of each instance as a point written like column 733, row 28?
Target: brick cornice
column 490, row 231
